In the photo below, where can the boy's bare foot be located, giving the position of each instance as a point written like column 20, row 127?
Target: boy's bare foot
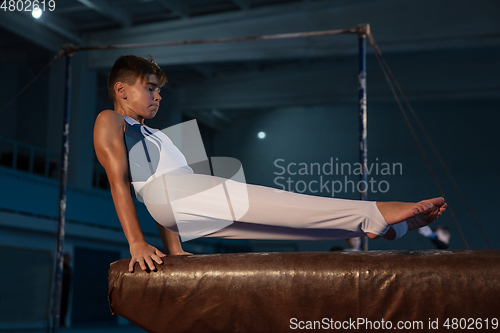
column 416, row 215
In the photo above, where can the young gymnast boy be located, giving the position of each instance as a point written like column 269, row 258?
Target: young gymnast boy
column 134, row 86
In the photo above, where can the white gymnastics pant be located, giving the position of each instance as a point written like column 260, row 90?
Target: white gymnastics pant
column 194, row 205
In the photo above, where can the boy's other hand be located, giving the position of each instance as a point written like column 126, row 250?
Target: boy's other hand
column 144, row 254
column 181, row 253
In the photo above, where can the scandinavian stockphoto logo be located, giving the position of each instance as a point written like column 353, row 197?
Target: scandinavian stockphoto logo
column 341, row 172
column 193, row 204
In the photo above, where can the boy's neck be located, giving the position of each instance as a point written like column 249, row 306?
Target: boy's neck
column 121, row 111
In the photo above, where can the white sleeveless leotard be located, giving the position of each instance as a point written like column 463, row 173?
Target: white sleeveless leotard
column 181, row 200
column 161, row 154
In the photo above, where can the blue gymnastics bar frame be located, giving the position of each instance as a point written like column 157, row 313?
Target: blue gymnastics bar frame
column 63, row 181
column 364, row 30
column 69, row 50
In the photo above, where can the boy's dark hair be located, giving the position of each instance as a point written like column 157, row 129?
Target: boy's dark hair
column 130, row 67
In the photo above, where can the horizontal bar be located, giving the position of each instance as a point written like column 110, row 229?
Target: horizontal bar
column 70, row 48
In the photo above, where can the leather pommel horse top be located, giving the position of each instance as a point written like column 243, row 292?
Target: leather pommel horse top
column 284, row 292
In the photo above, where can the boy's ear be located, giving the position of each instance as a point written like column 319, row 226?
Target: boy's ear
column 120, row 90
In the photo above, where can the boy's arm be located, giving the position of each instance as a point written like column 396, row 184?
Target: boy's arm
column 170, row 240
column 112, row 154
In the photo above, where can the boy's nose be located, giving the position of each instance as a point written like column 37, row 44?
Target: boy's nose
column 158, row 97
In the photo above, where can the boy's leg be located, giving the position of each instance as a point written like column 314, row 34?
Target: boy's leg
column 275, row 214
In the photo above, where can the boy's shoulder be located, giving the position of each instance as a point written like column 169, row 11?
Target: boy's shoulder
column 109, row 113
column 110, row 116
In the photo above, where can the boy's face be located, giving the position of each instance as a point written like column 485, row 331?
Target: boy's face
column 143, row 97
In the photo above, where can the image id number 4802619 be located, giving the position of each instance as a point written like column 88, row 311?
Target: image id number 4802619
column 27, row 5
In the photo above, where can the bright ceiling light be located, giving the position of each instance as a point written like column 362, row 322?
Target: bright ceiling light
column 37, row 12
column 261, row 135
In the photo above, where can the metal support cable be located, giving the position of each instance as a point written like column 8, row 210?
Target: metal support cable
column 437, row 154
column 384, row 67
